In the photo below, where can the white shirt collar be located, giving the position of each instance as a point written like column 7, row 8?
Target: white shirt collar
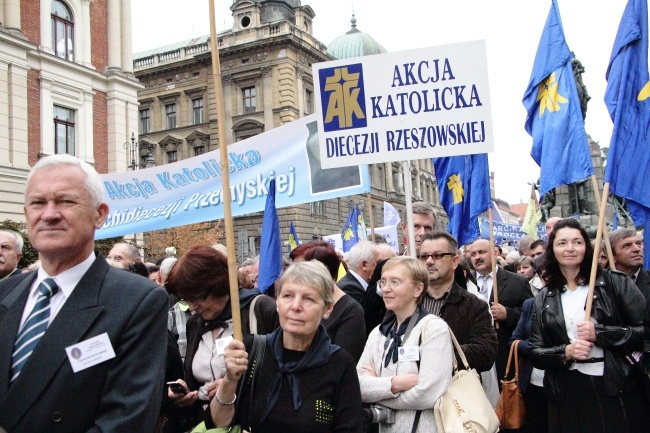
column 363, row 282
column 68, row 279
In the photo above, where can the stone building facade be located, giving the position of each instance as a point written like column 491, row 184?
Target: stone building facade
column 267, row 82
column 66, row 86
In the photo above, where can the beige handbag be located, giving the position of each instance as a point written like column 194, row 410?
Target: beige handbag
column 464, row 408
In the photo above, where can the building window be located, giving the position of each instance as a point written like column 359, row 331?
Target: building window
column 309, row 104
column 317, row 207
column 199, row 150
column 64, row 130
column 197, row 111
column 172, row 156
column 62, row 30
column 381, row 177
column 250, row 102
column 170, row 110
column 145, row 121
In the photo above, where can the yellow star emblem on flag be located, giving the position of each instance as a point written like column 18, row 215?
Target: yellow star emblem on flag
column 456, row 187
column 548, row 95
column 644, row 93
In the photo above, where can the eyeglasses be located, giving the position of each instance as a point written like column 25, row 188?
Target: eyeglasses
column 187, row 302
column 435, row 256
column 382, row 284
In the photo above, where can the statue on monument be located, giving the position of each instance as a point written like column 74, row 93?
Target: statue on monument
column 578, row 197
column 547, row 202
column 578, row 190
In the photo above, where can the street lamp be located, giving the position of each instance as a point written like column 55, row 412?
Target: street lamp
column 134, row 151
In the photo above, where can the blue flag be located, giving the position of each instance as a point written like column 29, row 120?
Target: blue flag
column 293, row 237
column 554, row 119
column 628, row 100
column 646, row 247
column 464, row 185
column 350, row 234
column 270, row 244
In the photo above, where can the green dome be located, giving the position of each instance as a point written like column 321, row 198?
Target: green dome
column 354, row 43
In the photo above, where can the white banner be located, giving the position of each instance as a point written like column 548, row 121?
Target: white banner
column 189, row 191
column 415, row 104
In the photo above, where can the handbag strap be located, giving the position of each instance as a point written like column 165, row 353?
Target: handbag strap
column 254, row 366
column 460, row 352
column 416, row 421
column 513, row 349
column 252, row 318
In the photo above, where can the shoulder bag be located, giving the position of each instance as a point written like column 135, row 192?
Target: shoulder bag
column 511, row 409
column 464, row 407
column 254, row 363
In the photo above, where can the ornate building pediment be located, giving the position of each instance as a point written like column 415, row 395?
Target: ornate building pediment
column 198, row 138
column 196, row 92
column 169, row 97
column 171, row 142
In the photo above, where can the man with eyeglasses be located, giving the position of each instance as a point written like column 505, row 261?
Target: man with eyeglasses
column 467, row 315
column 513, row 290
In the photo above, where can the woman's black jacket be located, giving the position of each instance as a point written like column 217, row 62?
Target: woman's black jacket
column 618, row 308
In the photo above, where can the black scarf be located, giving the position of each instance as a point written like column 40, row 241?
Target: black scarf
column 318, row 354
column 245, row 298
column 387, row 328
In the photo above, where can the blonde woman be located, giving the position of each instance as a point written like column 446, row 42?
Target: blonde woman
column 407, row 362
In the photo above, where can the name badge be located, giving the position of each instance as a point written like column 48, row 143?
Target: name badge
column 221, row 344
column 406, row 354
column 90, row 352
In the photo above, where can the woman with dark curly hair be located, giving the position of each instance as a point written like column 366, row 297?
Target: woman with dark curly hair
column 589, row 381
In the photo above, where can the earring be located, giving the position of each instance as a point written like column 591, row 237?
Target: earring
column 326, row 316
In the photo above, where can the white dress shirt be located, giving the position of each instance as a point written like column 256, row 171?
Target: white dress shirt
column 66, row 280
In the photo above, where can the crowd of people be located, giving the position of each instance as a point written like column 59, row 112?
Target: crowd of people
column 341, row 343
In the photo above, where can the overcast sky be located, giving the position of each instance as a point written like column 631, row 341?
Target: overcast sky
column 511, row 28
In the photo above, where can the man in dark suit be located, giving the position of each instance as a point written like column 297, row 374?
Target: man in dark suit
column 11, row 249
column 628, row 257
column 512, row 290
column 82, row 347
column 362, row 259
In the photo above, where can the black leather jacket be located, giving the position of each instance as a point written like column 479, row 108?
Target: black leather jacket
column 618, row 307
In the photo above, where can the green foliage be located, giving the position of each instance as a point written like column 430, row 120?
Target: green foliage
column 105, row 245
column 30, row 255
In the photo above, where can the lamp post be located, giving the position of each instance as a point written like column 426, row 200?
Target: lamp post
column 133, row 146
column 134, row 151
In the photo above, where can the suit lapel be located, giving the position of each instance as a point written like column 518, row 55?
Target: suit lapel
column 502, row 278
column 11, row 311
column 69, row 326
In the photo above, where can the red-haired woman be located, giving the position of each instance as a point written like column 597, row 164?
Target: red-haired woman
column 200, row 280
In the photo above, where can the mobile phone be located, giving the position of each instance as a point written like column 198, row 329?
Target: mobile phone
column 177, row 388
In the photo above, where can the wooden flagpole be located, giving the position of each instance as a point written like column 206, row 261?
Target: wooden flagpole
column 594, row 261
column 225, row 179
column 408, row 191
column 495, row 289
column 371, row 218
column 608, row 245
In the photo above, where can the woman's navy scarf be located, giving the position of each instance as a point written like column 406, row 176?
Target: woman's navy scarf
column 318, row 354
column 387, row 329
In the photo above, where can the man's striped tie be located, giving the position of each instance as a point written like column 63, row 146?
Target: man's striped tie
column 33, row 328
